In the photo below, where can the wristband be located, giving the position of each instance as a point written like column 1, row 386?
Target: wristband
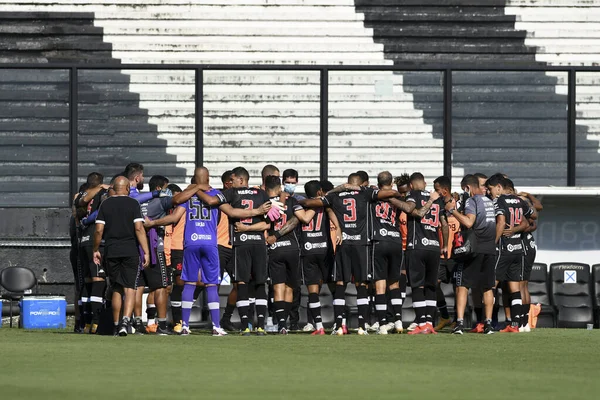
column 277, row 235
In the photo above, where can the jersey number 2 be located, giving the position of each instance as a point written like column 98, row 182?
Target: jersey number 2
column 248, row 205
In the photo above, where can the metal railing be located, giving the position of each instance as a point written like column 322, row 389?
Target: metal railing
column 444, row 69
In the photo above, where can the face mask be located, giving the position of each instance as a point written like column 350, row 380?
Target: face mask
column 166, row 193
column 289, row 188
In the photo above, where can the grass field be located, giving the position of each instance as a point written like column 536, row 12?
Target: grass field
column 545, row 364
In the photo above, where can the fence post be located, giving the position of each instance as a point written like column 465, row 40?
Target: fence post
column 73, row 117
column 199, row 110
column 324, row 131
column 571, row 128
column 448, row 123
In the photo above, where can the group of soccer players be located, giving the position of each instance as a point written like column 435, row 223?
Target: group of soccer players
column 271, row 240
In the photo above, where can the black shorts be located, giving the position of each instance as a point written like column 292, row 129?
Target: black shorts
column 226, row 260
column 510, row 268
column 89, row 267
column 478, row 272
column 315, row 268
column 176, row 262
column 284, row 267
column 423, row 266
column 386, row 257
column 123, row 271
column 156, row 276
column 529, row 260
column 352, row 262
column 250, row 263
column 446, row 271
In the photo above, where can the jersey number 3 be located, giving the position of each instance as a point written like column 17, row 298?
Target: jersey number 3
column 351, row 208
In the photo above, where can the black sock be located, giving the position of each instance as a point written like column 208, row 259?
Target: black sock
column 478, row 314
column 97, row 300
column 279, row 310
column 403, row 286
column 228, row 311
column 362, row 301
column 162, row 323
column 86, row 292
column 515, row 308
column 441, row 303
column 419, row 304
column 430, row 304
column 339, row 304
column 381, row 308
column 175, row 300
column 261, row 305
column 243, row 305
column 288, row 309
column 314, row 306
column 396, row 301
column 151, row 311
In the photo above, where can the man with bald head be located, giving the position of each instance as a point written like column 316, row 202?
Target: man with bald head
column 121, row 225
column 351, row 205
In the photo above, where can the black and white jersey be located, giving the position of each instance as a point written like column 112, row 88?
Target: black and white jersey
column 422, row 233
column 514, row 209
column 287, row 242
column 386, row 222
column 352, row 209
column 315, row 236
column 244, row 198
column 87, row 234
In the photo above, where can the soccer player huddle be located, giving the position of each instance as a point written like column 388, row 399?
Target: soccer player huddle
column 270, row 241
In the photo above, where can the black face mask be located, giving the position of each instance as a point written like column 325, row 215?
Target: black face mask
column 140, row 186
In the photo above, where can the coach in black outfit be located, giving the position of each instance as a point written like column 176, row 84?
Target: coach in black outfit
column 121, row 223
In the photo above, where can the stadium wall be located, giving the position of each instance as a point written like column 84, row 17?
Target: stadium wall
column 377, row 120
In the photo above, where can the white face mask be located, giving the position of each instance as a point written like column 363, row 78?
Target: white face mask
column 289, row 188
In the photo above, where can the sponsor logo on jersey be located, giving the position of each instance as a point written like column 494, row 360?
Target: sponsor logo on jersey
column 308, row 246
column 194, row 237
column 345, row 236
column 243, row 237
column 513, row 247
column 385, row 232
column 247, row 191
column 284, row 243
column 460, row 250
column 512, row 201
column 343, row 194
column 429, row 242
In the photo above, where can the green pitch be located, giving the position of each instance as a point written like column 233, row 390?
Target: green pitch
column 545, row 364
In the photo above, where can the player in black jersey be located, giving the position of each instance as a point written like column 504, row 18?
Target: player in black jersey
column 250, row 252
column 77, row 214
column 94, row 275
column 316, row 257
column 386, row 255
column 530, row 250
column 351, row 206
column 284, row 250
column 511, row 220
column 423, row 249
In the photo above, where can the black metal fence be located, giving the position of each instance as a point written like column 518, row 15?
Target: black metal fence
column 445, row 70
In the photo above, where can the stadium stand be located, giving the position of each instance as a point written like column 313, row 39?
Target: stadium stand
column 539, row 292
column 571, row 294
column 149, row 116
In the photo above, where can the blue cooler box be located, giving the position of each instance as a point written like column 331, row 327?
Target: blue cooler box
column 44, row 312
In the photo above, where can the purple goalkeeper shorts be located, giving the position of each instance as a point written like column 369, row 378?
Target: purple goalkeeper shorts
column 201, row 257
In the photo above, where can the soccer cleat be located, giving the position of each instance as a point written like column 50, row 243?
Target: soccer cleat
column 163, row 332
column 227, row 325
column 123, row 329
column 488, row 329
column 398, row 326
column 428, row 329
column 362, row 332
column 294, row 327
column 78, row 329
column 527, row 328
column 308, row 328
column 185, row 331
column 219, row 332
column 246, row 332
column 115, row 331
column 94, row 329
column 345, row 329
column 372, row 328
column 151, row 328
column 318, row 332
column 477, row 329
column 444, row 322
column 418, row 330
column 453, row 325
column 177, row 328
column 87, row 328
column 283, row 331
column 510, row 329
column 383, row 330
column 458, row 329
column 138, row 328
column 338, row 332
column 261, row 332
column 412, row 326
